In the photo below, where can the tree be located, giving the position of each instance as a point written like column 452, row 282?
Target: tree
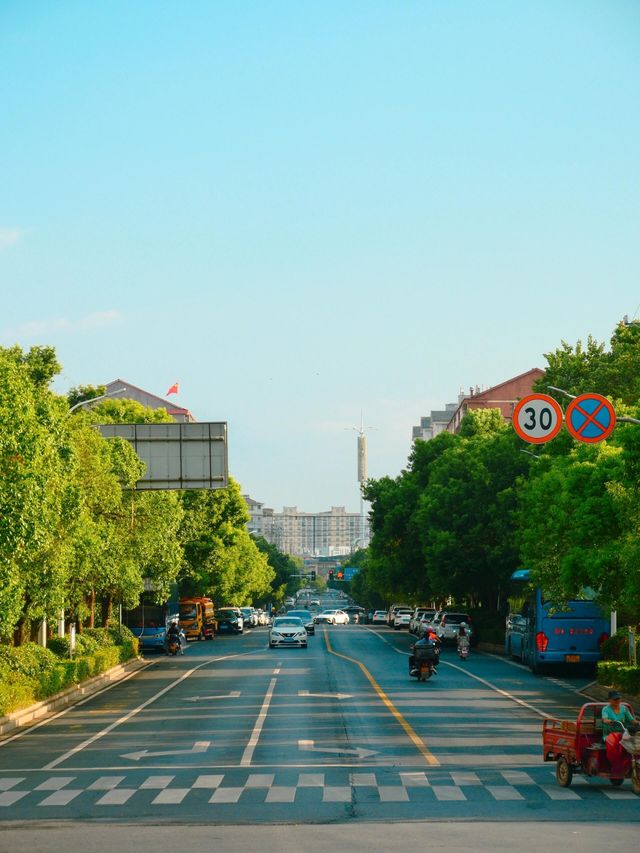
column 284, row 568
column 81, row 393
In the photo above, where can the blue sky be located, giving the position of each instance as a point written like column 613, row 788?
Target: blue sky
column 305, row 209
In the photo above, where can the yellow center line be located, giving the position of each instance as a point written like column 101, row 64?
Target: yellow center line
column 417, row 741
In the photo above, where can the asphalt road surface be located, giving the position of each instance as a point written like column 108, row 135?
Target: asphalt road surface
column 236, row 733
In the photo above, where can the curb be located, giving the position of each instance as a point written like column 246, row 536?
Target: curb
column 25, row 716
column 599, row 693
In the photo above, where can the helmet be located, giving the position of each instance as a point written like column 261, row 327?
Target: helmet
column 463, row 624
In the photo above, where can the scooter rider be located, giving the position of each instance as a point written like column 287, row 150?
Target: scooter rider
column 463, row 637
column 430, row 639
column 175, row 635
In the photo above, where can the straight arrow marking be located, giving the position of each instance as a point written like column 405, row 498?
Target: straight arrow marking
column 199, row 746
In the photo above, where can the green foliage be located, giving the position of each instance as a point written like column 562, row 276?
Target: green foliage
column 622, row 676
column 617, row 647
column 81, row 393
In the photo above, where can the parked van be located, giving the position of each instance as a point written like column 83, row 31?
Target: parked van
column 197, row 618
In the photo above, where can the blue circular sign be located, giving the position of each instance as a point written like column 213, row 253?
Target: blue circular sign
column 590, row 418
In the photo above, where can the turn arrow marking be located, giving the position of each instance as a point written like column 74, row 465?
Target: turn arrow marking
column 309, row 746
column 199, row 746
column 325, row 695
column 233, row 695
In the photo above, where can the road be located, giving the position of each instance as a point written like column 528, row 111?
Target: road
column 236, row 733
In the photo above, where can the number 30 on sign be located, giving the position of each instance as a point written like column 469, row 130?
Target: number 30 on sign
column 537, row 418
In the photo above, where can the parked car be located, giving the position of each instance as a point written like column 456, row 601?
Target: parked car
column 426, row 621
column 230, row 620
column 402, row 618
column 306, row 618
column 379, row 617
column 415, row 619
column 249, row 616
column 392, row 612
column 448, row 625
column 287, row 631
column 332, row 617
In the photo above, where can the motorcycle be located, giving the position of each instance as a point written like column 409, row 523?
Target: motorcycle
column 426, row 659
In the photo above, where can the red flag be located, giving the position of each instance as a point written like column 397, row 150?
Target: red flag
column 173, row 390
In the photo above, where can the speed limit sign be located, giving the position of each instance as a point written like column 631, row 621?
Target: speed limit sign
column 537, row 418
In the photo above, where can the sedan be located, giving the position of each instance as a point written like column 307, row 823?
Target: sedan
column 287, row 631
column 230, row 619
column 332, row 617
column 306, row 619
column 402, row 618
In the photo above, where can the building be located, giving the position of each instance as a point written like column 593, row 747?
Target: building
column 308, row 534
column 503, row 396
column 178, row 413
column 437, row 422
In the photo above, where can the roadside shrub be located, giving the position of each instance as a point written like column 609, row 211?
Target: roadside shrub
column 620, row 675
column 487, row 627
column 617, row 647
column 31, row 673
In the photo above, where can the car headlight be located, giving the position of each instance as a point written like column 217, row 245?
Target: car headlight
column 276, row 634
column 301, row 634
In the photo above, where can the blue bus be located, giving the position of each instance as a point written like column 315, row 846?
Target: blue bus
column 149, row 621
column 541, row 638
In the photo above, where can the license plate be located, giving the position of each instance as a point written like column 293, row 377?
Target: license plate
column 572, row 658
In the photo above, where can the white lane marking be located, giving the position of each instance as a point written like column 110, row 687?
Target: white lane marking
column 106, row 783
column 393, row 794
column 336, row 794
column 126, row 717
column 157, row 783
column 281, row 794
column 198, row 747
column 556, row 793
column 504, row 792
column 55, row 783
column 95, row 695
column 517, row 777
column 8, row 798
column 276, row 671
column 486, row 683
column 5, row 784
column 448, row 793
column 170, row 797
column 257, row 729
column 226, row 795
column 499, row 690
column 260, row 780
column 208, row 781
column 311, row 780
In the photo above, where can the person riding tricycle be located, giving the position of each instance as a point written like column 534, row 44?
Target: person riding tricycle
column 587, row 745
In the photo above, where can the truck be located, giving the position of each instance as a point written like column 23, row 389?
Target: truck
column 197, row 618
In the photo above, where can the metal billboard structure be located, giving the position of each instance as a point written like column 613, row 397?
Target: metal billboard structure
column 177, row 455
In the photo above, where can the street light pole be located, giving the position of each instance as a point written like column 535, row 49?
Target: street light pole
column 95, row 399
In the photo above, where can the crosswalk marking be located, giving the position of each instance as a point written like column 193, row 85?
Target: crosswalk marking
column 208, row 781
column 465, row 778
column 393, row 794
column 106, row 783
column 363, row 779
column 61, row 798
column 116, row 797
column 555, row 792
column 336, row 794
column 448, row 793
column 170, row 796
column 157, row 782
column 504, row 792
column 8, row 798
column 55, row 783
column 311, row 780
column 260, row 780
column 281, row 794
column 415, row 780
column 517, row 777
column 6, row 784
column 226, row 795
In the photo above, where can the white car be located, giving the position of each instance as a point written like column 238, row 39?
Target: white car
column 379, row 617
column 402, row 618
column 332, row 617
column 287, row 631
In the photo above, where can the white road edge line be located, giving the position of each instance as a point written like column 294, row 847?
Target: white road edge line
column 488, row 684
column 134, row 711
column 247, row 755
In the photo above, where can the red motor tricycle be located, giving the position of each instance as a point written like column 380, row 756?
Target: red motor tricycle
column 578, row 747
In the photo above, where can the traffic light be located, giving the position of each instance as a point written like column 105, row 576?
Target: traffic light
column 312, row 575
column 330, row 574
column 340, row 575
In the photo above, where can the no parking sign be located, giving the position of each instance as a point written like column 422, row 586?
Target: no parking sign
column 590, row 418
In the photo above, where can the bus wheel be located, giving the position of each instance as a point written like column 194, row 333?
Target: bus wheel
column 564, row 772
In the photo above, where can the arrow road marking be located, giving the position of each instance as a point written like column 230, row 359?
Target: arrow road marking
column 309, row 746
column 233, row 695
column 199, row 746
column 325, row 695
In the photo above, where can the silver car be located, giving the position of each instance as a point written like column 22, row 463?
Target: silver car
column 287, row 631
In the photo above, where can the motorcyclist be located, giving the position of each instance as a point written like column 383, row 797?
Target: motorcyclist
column 430, row 639
column 175, row 635
column 463, row 636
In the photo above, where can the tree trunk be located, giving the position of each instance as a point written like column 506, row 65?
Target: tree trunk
column 91, row 604
column 107, row 610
